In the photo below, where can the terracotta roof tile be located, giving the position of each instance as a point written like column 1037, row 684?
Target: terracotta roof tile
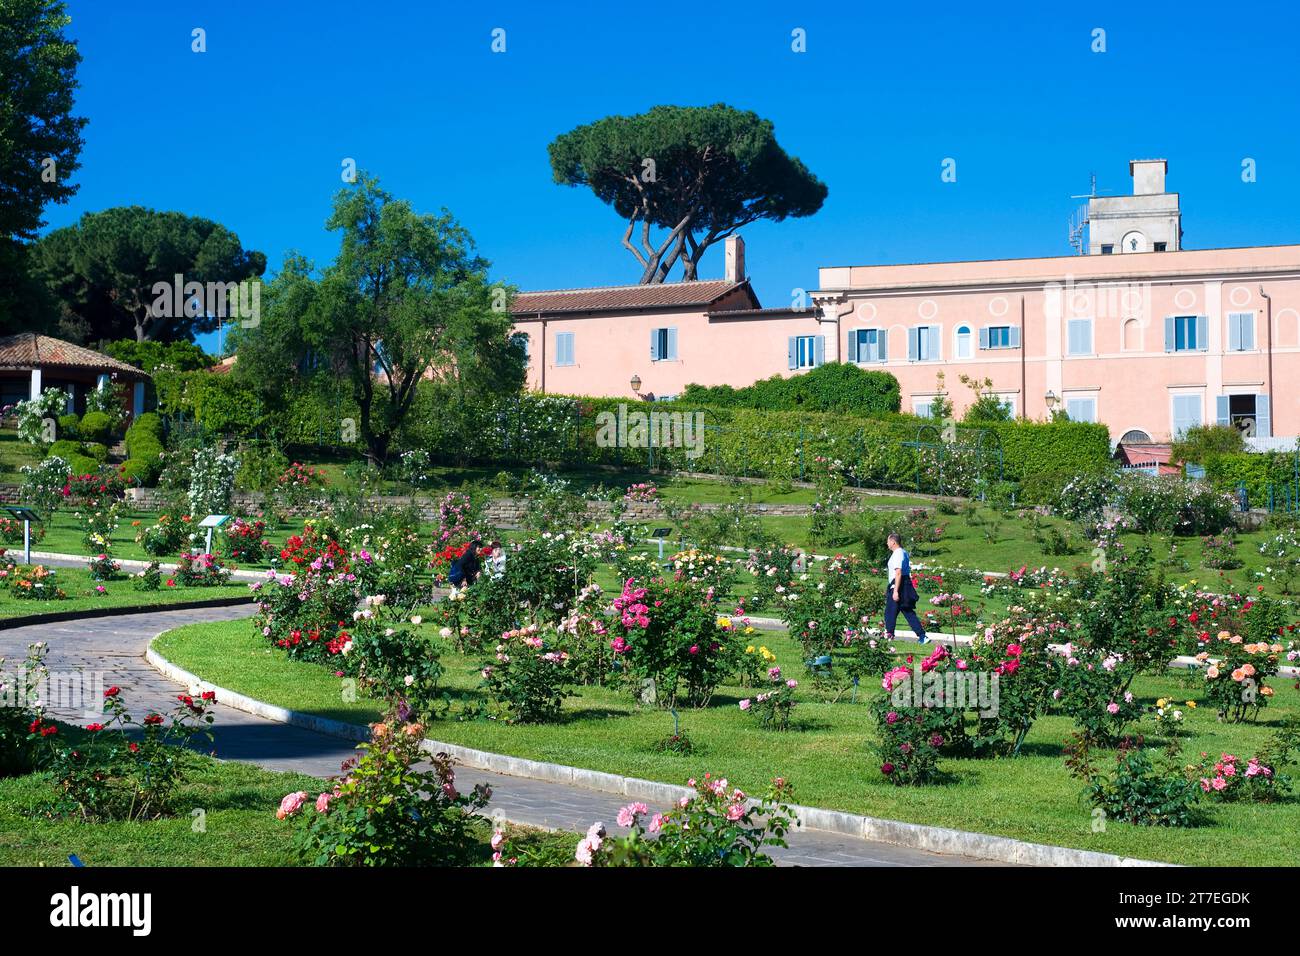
column 28, row 350
column 626, row 297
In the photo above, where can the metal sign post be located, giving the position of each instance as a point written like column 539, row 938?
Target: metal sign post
column 660, row 534
column 211, row 522
column 26, row 516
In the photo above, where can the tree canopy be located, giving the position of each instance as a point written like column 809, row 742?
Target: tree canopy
column 700, row 173
column 102, row 271
column 40, row 141
column 407, row 300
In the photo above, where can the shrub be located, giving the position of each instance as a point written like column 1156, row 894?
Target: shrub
column 1234, row 680
column 38, row 417
column 714, row 827
column 1091, row 688
column 141, row 472
column 130, row 771
column 201, row 570
column 671, row 633
column 37, row 583
column 774, row 706
column 167, row 535
column 1166, row 504
column 394, row 664
column 212, row 482
column 386, row 811
column 146, row 448
column 66, row 448
column 1137, row 790
column 1229, row 778
column 246, row 540
column 20, row 717
column 145, row 425
column 913, row 726
column 97, row 427
column 831, row 387
column 315, row 628
column 260, row 466
column 529, row 677
column 1202, row 442
column 69, row 426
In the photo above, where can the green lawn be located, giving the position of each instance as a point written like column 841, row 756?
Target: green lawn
column 239, row 825
column 121, row 592
column 828, row 756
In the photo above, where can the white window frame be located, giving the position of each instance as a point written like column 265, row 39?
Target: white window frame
column 937, row 338
column 922, row 405
column 1199, row 396
column 665, row 343
column 560, row 351
column 872, row 348
column 1245, row 322
column 1090, row 399
column 958, row 334
column 810, row 341
column 1077, row 322
column 1008, row 400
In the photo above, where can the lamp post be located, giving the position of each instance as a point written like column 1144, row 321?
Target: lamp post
column 636, row 382
column 1052, row 401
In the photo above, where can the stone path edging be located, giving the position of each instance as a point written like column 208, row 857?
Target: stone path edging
column 915, row 835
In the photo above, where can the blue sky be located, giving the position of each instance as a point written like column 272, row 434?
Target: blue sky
column 252, row 133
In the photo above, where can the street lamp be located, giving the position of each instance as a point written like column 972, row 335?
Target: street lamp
column 636, row 382
column 1051, row 400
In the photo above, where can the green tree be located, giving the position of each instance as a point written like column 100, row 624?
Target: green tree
column 988, row 405
column 406, row 300
column 699, row 172
column 104, row 269
column 40, row 141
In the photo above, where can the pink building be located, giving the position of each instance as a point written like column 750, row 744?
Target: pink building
column 1139, row 333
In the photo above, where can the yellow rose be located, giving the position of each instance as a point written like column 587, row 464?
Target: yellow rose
column 1191, row 705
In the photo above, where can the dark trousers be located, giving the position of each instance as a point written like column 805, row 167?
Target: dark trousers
column 892, row 611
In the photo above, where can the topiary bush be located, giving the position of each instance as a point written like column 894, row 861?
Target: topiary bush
column 96, row 427
column 95, row 450
column 69, row 427
column 140, row 472
column 146, row 428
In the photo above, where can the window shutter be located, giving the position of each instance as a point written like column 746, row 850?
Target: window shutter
column 1202, row 333
column 1169, row 333
column 1222, row 416
column 792, row 346
column 984, row 336
column 1015, row 336
column 672, row 345
column 935, row 351
column 853, row 347
column 1247, row 331
column 654, row 345
column 913, row 337
column 1263, row 417
column 819, row 350
column 882, row 344
column 1234, row 332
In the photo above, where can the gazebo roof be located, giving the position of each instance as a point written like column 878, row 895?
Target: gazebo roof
column 28, row 350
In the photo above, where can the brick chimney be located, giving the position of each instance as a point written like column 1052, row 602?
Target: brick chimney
column 735, row 256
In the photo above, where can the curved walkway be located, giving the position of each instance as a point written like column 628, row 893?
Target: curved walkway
column 112, row 649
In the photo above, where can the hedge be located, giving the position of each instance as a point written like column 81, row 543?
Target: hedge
column 875, row 452
column 1257, row 472
column 834, row 386
column 96, row 426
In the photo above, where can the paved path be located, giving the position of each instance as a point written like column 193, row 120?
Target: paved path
column 112, row 648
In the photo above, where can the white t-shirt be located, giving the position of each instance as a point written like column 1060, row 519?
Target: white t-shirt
column 896, row 559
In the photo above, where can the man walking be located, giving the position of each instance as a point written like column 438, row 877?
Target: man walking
column 900, row 592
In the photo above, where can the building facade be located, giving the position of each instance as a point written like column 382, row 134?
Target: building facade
column 1140, row 334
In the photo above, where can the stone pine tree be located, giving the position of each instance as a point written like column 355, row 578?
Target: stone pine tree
column 696, row 174
column 103, row 271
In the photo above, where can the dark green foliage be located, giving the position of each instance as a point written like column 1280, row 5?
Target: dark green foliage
column 715, row 169
column 96, row 427
column 832, row 387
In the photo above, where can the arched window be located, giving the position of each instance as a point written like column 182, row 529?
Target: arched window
column 961, row 344
column 1135, row 436
column 1131, row 340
